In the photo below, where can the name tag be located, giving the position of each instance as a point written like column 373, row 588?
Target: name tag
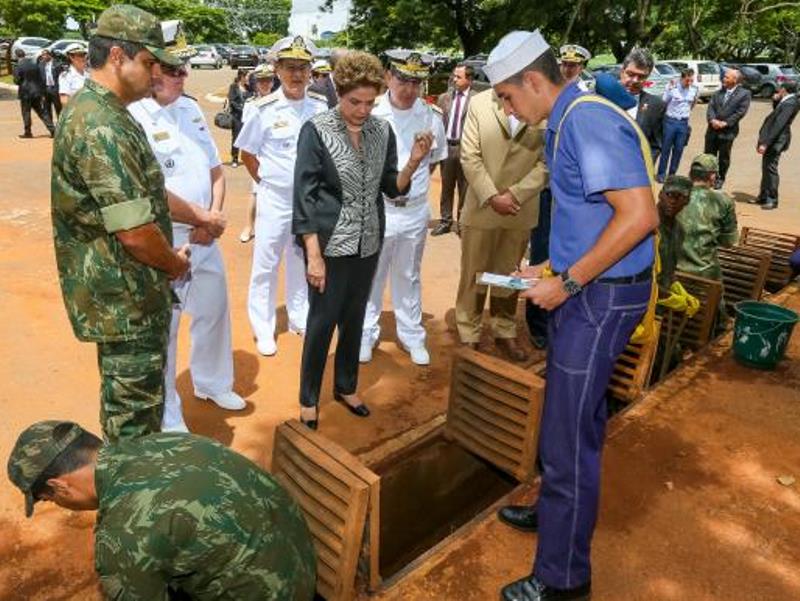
column 160, row 136
column 280, row 124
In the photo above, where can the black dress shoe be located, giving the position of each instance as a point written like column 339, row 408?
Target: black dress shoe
column 531, row 589
column 26, row 135
column 360, row 410
column 521, row 517
column 442, row 228
column 769, row 205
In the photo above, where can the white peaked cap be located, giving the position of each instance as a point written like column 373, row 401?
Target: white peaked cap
column 514, row 52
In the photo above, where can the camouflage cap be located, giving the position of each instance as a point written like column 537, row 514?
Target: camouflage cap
column 132, row 24
column 35, row 450
column 678, row 184
column 706, row 162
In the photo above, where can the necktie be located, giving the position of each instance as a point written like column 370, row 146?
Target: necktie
column 456, row 119
column 727, row 96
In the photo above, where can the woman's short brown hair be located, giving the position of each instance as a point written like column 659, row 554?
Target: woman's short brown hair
column 356, row 69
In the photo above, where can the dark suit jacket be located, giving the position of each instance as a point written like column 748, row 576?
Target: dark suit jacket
column 731, row 112
column 445, row 102
column 776, row 132
column 29, row 79
column 650, row 118
column 326, row 88
column 56, row 72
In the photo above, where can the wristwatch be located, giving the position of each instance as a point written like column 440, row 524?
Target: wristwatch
column 572, row 287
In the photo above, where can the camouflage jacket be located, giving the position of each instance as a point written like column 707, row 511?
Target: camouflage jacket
column 670, row 241
column 183, row 513
column 708, row 222
column 105, row 179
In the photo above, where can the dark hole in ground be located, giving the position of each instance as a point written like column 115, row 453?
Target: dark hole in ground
column 427, row 493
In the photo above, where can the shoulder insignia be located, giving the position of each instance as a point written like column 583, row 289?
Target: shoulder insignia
column 317, row 96
column 436, row 108
column 266, row 100
column 189, row 97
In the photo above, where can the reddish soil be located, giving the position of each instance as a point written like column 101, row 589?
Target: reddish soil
column 691, row 508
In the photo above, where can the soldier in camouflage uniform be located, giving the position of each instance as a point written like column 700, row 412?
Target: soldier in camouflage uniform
column 113, row 235
column 671, row 201
column 178, row 516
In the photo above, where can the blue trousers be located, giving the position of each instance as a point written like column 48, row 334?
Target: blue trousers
column 587, row 334
column 676, row 136
column 536, row 317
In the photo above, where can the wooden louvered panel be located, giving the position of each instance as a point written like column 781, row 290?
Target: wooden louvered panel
column 632, row 369
column 494, row 411
column 744, row 273
column 781, row 245
column 334, row 491
column 698, row 330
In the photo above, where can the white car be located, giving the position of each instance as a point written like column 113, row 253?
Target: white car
column 31, row 45
column 207, row 56
column 706, row 76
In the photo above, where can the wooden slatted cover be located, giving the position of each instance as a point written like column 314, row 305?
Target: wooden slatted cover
column 334, row 491
column 632, row 369
column 698, row 330
column 781, row 245
column 744, row 273
column 494, row 411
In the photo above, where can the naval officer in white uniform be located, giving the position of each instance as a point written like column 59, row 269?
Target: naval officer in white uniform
column 268, row 142
column 179, row 137
column 407, row 216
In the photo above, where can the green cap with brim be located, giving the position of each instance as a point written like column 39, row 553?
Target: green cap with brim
column 706, row 162
column 132, row 24
column 678, row 184
column 35, row 449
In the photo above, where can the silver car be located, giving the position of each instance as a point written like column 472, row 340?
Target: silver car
column 207, row 56
column 772, row 74
column 31, row 45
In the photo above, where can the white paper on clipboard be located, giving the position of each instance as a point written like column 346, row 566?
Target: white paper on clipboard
column 504, row 281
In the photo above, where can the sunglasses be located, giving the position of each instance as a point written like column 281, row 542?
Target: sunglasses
column 174, row 71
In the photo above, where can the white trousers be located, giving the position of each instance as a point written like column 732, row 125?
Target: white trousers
column 205, row 297
column 400, row 260
column 273, row 240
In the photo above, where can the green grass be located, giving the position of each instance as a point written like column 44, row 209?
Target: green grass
column 7, row 79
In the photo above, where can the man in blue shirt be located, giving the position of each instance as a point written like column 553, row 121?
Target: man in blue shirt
column 680, row 99
column 602, row 250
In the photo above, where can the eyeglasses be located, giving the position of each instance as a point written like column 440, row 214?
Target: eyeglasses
column 174, row 71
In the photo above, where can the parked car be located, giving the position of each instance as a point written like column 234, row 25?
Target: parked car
column 31, row 45
column 752, row 77
column 243, row 56
column 706, row 76
column 224, row 50
column 772, row 74
column 655, row 84
column 207, row 56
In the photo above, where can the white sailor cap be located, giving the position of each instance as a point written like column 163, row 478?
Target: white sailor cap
column 296, row 47
column 514, row 52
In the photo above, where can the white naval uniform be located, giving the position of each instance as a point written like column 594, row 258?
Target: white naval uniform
column 70, row 81
column 271, row 135
column 406, row 227
column 182, row 143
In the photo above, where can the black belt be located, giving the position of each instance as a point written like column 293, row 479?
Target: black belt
column 454, row 142
column 642, row 276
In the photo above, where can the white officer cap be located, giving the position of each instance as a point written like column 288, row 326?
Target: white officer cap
column 321, row 66
column 75, row 48
column 514, row 52
column 296, row 47
column 264, row 71
column 175, row 39
column 572, row 53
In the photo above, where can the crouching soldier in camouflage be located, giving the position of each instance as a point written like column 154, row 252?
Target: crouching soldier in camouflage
column 178, row 516
column 111, row 224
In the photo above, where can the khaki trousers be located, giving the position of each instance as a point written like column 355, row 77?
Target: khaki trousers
column 496, row 251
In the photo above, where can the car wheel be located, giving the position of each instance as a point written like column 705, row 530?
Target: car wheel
column 767, row 90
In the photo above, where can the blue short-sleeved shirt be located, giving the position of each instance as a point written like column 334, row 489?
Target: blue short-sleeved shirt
column 598, row 150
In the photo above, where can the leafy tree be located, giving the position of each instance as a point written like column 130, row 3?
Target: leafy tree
column 248, row 17
column 263, row 38
column 34, row 17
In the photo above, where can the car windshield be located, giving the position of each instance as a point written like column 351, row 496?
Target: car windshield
column 202, row 48
column 788, row 69
column 708, row 68
column 244, row 49
column 666, row 69
column 40, row 42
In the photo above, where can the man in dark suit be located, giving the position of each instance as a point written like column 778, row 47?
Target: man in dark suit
column 454, row 105
column 323, row 83
column 773, row 139
column 30, row 92
column 49, row 71
column 649, row 109
column 726, row 109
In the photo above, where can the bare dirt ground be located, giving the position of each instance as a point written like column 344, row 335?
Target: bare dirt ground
column 691, row 509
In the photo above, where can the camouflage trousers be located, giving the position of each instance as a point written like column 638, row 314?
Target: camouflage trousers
column 132, row 386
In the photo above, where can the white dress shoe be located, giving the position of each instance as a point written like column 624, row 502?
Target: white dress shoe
column 225, row 400
column 419, row 355
column 365, row 354
column 267, row 347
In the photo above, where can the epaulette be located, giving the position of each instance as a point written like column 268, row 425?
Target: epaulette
column 436, row 108
column 185, row 95
column 317, row 96
column 267, row 100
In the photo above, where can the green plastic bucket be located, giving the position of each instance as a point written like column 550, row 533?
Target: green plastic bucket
column 761, row 333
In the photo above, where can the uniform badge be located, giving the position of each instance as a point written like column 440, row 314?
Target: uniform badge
column 169, row 163
column 160, row 136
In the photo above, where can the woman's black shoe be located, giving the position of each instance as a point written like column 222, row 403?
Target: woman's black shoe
column 311, row 424
column 360, row 410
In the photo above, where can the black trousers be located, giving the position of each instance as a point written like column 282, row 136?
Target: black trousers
column 348, row 281
column 52, row 101
column 236, row 127
column 769, row 176
column 452, row 176
column 720, row 148
column 37, row 104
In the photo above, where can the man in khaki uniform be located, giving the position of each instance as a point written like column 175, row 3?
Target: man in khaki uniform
column 503, row 162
